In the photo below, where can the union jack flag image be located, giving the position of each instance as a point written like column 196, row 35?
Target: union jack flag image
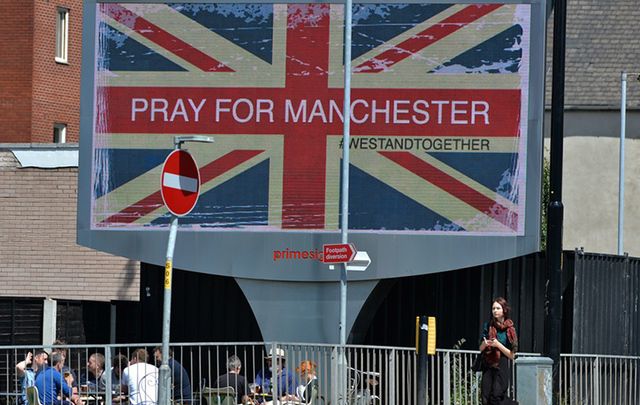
column 438, row 115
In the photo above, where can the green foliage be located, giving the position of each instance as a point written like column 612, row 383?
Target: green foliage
column 465, row 384
column 546, row 193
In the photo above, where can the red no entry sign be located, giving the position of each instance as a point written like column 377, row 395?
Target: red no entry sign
column 180, row 182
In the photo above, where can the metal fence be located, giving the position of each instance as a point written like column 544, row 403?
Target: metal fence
column 599, row 380
column 451, row 380
column 370, row 374
column 584, row 379
column 354, row 375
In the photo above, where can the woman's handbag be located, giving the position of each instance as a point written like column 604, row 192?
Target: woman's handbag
column 478, row 364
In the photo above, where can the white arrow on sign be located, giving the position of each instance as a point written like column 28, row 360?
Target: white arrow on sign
column 360, row 262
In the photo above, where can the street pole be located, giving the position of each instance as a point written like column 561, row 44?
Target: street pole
column 623, row 128
column 421, row 345
column 164, row 389
column 165, row 372
column 555, row 213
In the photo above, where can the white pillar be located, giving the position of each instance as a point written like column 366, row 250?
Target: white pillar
column 49, row 313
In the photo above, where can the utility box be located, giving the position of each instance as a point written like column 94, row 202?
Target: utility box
column 534, row 381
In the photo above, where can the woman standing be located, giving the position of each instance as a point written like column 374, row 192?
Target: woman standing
column 498, row 346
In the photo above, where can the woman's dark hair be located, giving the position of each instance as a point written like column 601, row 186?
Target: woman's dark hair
column 506, row 309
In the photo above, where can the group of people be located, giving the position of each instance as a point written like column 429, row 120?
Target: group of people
column 133, row 379
column 136, row 380
column 55, row 382
column 289, row 388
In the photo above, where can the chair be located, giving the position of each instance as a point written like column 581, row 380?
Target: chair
column 220, row 396
column 315, row 396
column 32, row 396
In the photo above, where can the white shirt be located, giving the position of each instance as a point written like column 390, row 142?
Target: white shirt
column 142, row 380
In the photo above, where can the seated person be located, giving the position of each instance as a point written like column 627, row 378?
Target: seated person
column 287, row 381
column 66, row 370
column 96, row 379
column 118, row 364
column 50, row 383
column 233, row 379
column 27, row 370
column 179, row 376
column 140, row 380
column 308, row 376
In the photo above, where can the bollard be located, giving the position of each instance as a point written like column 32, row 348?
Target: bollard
column 534, row 384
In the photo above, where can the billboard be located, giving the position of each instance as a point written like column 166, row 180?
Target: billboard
column 445, row 149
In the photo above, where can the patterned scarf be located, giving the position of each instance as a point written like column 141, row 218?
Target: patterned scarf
column 492, row 354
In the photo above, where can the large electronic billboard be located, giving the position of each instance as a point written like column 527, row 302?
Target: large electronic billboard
column 445, row 122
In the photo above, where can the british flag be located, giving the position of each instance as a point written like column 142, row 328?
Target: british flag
column 437, row 118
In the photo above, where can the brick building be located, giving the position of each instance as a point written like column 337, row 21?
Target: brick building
column 44, row 271
column 40, row 70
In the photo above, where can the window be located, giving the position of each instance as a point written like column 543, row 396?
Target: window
column 59, row 133
column 62, row 35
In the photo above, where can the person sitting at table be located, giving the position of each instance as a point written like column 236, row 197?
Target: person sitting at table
column 27, row 370
column 50, row 384
column 96, row 379
column 179, row 376
column 232, row 378
column 287, row 381
column 118, row 364
column 140, row 380
column 66, row 370
column 306, row 391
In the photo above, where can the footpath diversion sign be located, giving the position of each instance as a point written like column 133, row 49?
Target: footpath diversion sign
column 338, row 253
column 180, row 182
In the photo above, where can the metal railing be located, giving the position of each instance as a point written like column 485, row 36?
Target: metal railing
column 588, row 379
column 451, row 380
column 371, row 374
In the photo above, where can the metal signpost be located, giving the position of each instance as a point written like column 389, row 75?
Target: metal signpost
column 344, row 222
column 180, row 189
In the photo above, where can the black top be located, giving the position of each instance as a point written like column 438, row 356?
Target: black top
column 232, row 380
column 181, row 383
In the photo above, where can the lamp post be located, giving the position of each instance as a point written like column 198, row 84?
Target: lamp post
column 555, row 213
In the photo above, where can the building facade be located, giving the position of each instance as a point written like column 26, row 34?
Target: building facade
column 602, row 41
column 39, row 116
column 40, row 71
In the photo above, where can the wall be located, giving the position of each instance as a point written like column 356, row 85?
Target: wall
column 16, row 52
column 38, row 250
column 56, row 92
column 590, row 194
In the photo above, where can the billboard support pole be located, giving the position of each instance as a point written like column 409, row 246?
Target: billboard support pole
column 344, row 220
column 555, row 213
column 344, row 203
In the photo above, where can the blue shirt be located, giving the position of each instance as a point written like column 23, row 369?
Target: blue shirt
column 27, row 380
column 287, row 381
column 49, row 383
